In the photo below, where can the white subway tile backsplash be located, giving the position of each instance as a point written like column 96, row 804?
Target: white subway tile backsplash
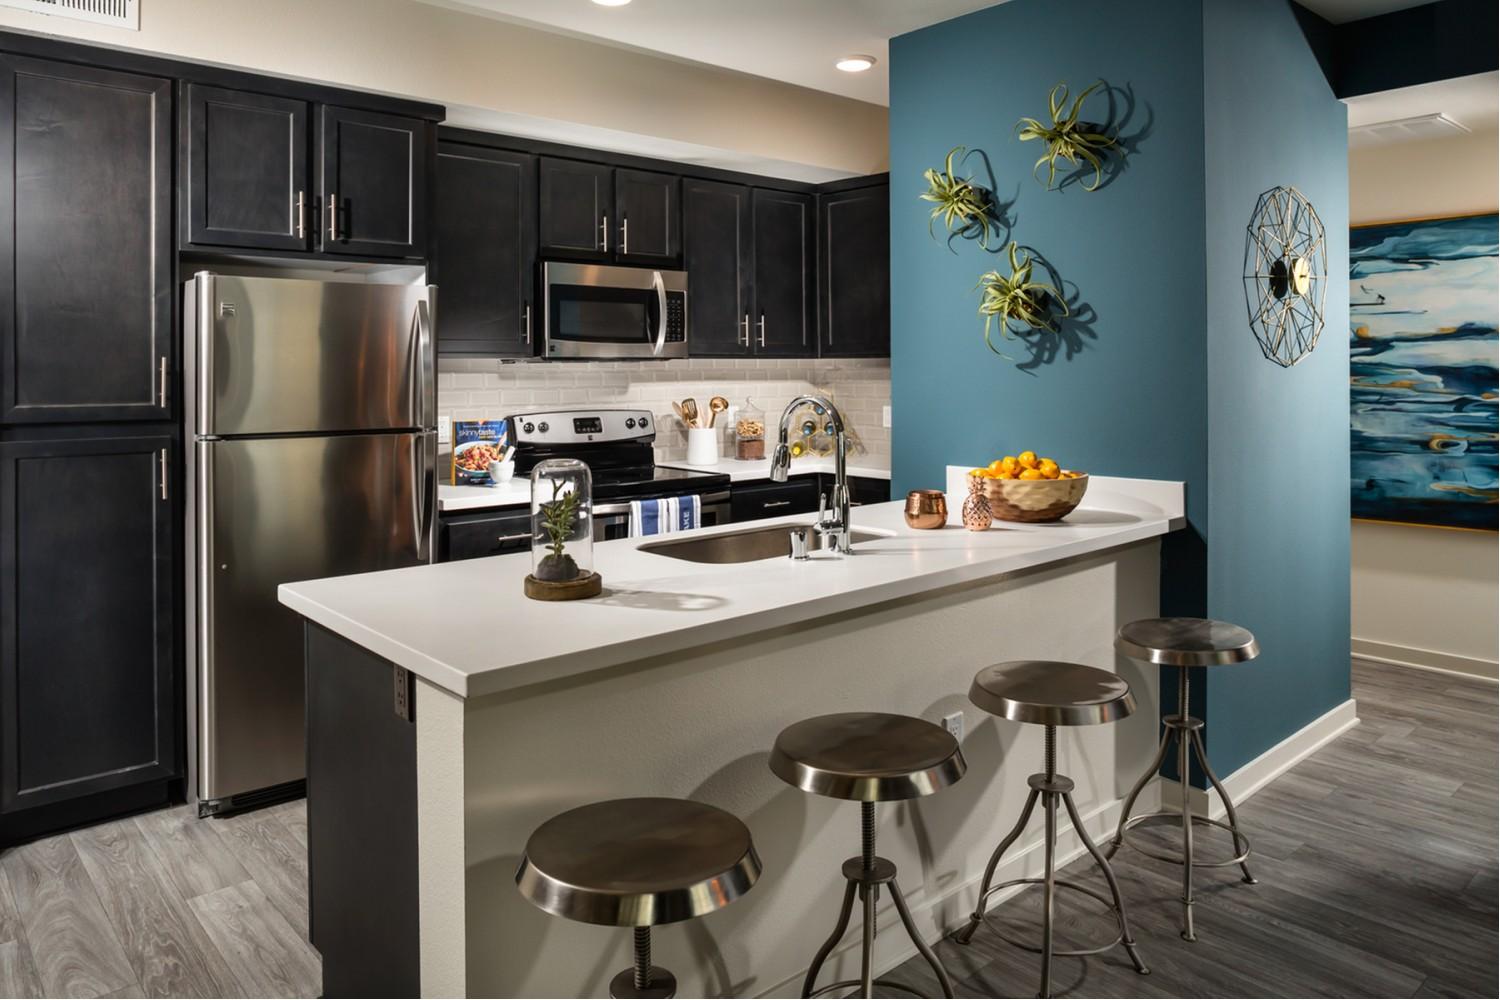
column 487, row 389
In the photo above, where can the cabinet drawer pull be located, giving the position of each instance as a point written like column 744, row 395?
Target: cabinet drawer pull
column 521, row 537
column 762, row 325
column 164, row 473
column 604, row 232
column 333, row 218
column 744, row 325
column 161, row 383
column 526, row 317
column 624, row 234
column 768, row 504
column 301, row 215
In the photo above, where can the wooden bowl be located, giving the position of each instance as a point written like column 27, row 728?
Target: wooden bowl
column 1034, row 500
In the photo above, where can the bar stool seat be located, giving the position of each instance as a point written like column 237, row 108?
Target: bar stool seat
column 1050, row 693
column 868, row 757
column 637, row 863
column 1185, row 643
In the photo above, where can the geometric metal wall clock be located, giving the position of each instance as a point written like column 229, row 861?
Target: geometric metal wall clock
column 1286, row 275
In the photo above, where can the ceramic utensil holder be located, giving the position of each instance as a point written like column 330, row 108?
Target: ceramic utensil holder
column 703, row 446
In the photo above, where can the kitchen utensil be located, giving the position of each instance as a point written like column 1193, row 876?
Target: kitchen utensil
column 1034, row 500
column 717, row 405
column 926, row 509
column 690, row 411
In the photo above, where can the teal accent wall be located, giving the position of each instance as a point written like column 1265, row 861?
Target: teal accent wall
column 1278, row 494
column 1164, row 379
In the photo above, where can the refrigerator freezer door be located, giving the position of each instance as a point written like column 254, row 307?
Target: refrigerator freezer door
column 286, row 355
column 271, row 511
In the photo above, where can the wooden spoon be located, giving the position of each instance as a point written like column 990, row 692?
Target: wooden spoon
column 717, row 405
column 690, row 411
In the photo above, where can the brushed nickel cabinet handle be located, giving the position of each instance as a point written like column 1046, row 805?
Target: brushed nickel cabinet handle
column 301, row 215
column 526, row 316
column 604, row 231
column 522, row 537
column 744, row 325
column 161, row 383
column 762, row 326
column 624, row 234
column 164, row 473
column 333, row 218
column 768, row 504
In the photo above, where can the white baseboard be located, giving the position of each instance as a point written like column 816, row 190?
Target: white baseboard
column 937, row 917
column 1425, row 659
column 1255, row 775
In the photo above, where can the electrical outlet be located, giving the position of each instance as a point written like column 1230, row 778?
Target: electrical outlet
column 955, row 724
column 445, row 429
column 885, row 415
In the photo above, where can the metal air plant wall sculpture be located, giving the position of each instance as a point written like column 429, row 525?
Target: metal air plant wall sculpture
column 965, row 208
column 1066, row 137
column 1019, row 303
column 1285, row 275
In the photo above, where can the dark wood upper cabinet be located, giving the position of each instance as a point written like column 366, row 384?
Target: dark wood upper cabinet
column 577, row 201
column 716, row 251
column 89, row 698
column 484, row 251
column 374, row 190
column 854, row 273
column 647, row 207
column 86, row 258
column 248, row 175
column 783, row 314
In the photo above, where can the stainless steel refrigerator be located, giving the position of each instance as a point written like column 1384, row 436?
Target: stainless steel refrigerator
column 313, row 407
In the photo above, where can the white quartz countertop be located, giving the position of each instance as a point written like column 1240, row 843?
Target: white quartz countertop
column 467, row 627
column 739, row 471
column 517, row 492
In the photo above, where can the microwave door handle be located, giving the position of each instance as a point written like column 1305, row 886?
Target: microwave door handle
column 661, row 311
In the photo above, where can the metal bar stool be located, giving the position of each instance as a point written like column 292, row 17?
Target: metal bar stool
column 637, row 863
column 1185, row 643
column 1052, row 694
column 869, row 757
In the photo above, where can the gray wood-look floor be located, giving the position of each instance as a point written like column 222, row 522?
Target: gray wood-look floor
column 1377, row 865
column 1377, row 860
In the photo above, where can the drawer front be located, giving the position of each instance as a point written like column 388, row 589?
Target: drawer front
column 796, row 496
column 473, row 536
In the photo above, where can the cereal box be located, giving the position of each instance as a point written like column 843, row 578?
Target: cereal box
column 477, row 443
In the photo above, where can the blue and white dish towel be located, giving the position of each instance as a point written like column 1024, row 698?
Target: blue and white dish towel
column 658, row 517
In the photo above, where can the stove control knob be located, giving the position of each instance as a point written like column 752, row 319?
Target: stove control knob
column 529, row 428
column 542, row 427
column 642, row 421
column 630, row 423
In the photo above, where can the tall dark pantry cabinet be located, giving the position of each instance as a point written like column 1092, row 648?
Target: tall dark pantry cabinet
column 90, row 665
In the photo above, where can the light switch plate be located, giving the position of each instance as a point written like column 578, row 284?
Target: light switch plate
column 445, row 429
column 885, row 415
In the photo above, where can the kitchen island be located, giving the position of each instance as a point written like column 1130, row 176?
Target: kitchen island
column 448, row 716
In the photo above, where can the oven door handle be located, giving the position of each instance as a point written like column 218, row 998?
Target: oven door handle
column 661, row 311
column 706, row 499
column 611, row 508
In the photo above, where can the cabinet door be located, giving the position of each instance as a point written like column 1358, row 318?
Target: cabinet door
column 783, row 315
column 88, row 676
column 484, row 251
column 576, row 201
column 716, row 244
column 854, row 273
column 85, row 243
column 247, row 170
column 375, row 182
column 647, row 206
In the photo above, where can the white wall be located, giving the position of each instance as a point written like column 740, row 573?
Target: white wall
column 510, row 78
column 1423, row 595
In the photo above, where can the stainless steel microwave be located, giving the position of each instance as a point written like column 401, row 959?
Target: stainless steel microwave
column 598, row 311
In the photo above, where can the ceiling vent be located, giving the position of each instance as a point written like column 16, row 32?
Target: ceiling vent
column 116, row 13
column 1405, row 130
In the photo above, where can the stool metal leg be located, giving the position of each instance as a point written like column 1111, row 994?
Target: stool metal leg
column 1049, row 887
column 845, row 912
column 1183, row 748
column 922, row 947
column 967, row 934
column 867, row 952
column 1234, row 823
column 1126, row 938
column 1135, row 793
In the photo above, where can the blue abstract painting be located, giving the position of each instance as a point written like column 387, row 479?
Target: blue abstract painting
column 1424, row 301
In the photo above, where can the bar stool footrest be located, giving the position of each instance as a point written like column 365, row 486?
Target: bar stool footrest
column 1241, row 842
column 855, row 984
column 1109, row 905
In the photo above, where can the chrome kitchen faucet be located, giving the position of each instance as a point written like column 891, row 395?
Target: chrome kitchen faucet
column 832, row 525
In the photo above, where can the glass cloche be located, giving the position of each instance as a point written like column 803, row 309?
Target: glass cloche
column 562, row 521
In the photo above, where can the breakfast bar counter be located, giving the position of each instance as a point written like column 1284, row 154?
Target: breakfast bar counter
column 449, row 716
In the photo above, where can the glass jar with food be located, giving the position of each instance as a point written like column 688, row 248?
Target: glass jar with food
column 750, row 433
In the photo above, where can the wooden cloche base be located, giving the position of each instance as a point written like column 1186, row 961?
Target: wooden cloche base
column 568, row 590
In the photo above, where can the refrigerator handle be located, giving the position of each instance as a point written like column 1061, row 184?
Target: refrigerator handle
column 424, row 490
column 422, row 361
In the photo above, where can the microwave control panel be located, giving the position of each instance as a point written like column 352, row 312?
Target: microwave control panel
column 676, row 317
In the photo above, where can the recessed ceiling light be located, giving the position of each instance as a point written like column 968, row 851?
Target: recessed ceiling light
column 851, row 64
column 611, row 3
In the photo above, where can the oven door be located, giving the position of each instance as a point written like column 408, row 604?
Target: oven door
column 612, row 520
column 594, row 311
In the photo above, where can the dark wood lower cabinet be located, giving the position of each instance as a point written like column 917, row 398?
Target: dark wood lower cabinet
column 361, row 822
column 90, row 681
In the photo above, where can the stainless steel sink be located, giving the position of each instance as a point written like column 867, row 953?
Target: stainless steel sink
column 742, row 546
